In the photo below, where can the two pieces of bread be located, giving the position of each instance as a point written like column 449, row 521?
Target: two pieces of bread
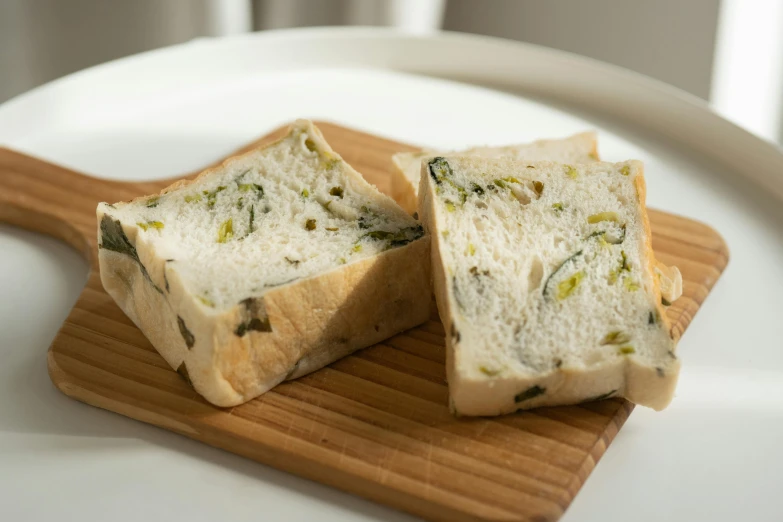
column 545, row 282
column 284, row 259
column 268, row 267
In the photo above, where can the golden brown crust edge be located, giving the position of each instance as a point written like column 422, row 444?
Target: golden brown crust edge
column 641, row 192
column 653, row 387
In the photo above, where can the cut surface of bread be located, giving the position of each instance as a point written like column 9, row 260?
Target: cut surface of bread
column 579, row 148
column 545, row 282
column 265, row 268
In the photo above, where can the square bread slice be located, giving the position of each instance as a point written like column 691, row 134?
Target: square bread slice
column 265, row 268
column 545, row 282
column 579, row 148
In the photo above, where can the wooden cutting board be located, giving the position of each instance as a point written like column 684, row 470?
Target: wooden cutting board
column 376, row 423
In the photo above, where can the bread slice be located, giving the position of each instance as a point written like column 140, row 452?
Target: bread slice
column 579, row 148
column 268, row 267
column 544, row 280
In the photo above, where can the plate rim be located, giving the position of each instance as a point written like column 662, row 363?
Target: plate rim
column 625, row 95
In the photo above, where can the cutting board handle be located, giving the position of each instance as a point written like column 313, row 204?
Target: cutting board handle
column 55, row 201
column 59, row 202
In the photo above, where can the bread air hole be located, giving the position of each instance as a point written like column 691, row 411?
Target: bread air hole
column 536, row 274
column 520, row 194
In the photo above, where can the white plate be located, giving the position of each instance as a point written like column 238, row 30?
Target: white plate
column 710, row 456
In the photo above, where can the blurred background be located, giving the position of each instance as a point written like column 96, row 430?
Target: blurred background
column 728, row 52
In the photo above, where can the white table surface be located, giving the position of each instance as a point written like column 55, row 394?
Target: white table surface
column 714, row 455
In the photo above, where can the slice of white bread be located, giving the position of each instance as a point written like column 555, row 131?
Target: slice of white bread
column 545, row 282
column 268, row 267
column 579, row 148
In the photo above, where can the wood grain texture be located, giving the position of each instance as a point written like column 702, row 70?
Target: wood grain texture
column 376, row 423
